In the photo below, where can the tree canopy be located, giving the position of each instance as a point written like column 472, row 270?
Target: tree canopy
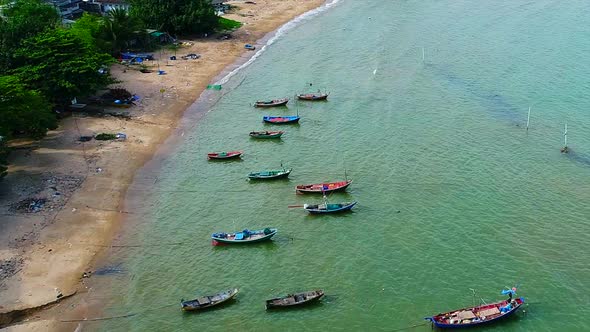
column 61, row 65
column 23, row 19
column 23, row 110
column 176, row 17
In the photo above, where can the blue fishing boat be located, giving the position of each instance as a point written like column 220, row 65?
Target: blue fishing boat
column 328, row 207
column 245, row 236
column 478, row 315
column 281, row 119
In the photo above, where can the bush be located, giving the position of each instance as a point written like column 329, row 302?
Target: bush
column 105, row 137
column 227, row 24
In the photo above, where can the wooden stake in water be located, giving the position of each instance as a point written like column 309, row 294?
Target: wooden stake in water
column 564, row 149
column 423, row 55
column 528, row 119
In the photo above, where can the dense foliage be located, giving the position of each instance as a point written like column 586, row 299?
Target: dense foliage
column 23, row 110
column 176, row 17
column 61, row 65
column 20, row 20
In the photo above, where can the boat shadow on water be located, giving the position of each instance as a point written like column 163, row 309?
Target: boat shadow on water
column 269, row 245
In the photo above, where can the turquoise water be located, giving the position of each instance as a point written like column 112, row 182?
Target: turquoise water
column 453, row 192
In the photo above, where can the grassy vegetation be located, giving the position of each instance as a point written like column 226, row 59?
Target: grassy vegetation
column 227, row 24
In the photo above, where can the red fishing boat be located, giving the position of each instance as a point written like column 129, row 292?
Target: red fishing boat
column 313, row 96
column 473, row 316
column 318, row 188
column 224, row 155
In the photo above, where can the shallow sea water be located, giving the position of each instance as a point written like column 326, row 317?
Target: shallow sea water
column 453, row 192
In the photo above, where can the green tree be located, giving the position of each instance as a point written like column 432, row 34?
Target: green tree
column 176, row 17
column 120, row 30
column 20, row 20
column 61, row 65
column 23, row 110
column 90, row 28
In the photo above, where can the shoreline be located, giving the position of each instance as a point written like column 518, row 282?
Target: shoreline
column 103, row 205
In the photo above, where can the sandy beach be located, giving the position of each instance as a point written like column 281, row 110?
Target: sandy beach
column 62, row 202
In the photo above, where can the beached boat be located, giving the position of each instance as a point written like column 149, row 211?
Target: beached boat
column 245, row 236
column 328, row 207
column 208, row 301
column 224, row 155
column 327, row 187
column 250, row 47
column 271, row 174
column 478, row 315
column 272, row 103
column 313, row 96
column 266, row 134
column 292, row 300
column 281, row 119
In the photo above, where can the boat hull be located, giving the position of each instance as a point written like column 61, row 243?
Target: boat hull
column 232, row 240
column 272, row 104
column 436, row 320
column 223, row 156
column 270, row 135
column 210, row 301
column 291, row 301
column 259, row 176
column 344, row 208
column 281, row 120
column 312, row 97
column 319, row 188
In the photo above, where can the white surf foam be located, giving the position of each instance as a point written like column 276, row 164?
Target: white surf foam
column 280, row 32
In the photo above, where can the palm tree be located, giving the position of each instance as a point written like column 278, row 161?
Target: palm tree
column 120, row 29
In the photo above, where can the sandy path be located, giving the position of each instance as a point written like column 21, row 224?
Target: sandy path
column 44, row 254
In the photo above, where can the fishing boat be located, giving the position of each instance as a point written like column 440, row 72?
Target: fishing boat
column 208, row 301
column 245, row 236
column 281, row 119
column 313, row 96
column 328, row 207
column 224, row 155
column 292, row 300
column 266, row 134
column 271, row 174
column 272, row 103
column 326, row 187
column 477, row 315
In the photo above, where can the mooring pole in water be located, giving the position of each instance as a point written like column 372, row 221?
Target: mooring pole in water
column 528, row 119
column 423, row 55
column 564, row 149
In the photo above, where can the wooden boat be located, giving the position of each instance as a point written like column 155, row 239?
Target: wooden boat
column 478, row 315
column 208, row 301
column 281, row 119
column 245, row 236
column 272, row 103
column 266, row 134
column 268, row 175
column 292, row 300
column 313, row 96
column 224, row 155
column 328, row 207
column 327, row 187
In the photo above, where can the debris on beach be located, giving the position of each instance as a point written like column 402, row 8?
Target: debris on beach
column 30, row 205
column 192, row 56
column 9, row 267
